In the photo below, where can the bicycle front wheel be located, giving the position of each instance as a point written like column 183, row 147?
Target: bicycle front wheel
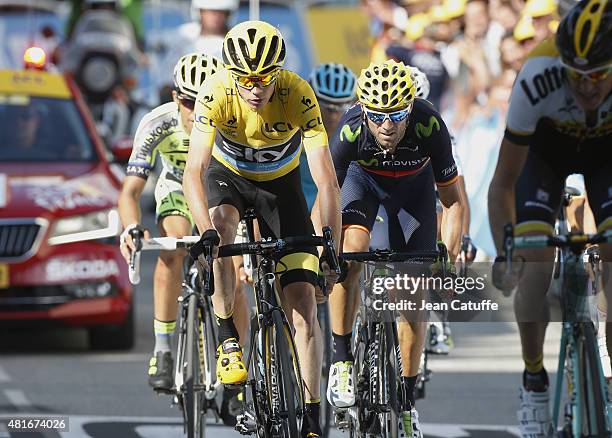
column 284, row 379
column 594, row 409
column 323, row 315
column 194, row 400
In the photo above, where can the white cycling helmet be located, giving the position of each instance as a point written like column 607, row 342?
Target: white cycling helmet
column 191, row 71
column 421, row 82
column 216, row 5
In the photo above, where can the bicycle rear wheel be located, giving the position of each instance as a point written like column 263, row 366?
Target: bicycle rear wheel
column 193, row 398
column 284, row 379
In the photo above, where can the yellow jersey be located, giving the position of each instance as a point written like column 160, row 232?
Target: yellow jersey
column 258, row 144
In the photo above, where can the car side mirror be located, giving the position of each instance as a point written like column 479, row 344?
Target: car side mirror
column 121, row 149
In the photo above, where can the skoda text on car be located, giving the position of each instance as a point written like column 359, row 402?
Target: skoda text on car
column 59, row 261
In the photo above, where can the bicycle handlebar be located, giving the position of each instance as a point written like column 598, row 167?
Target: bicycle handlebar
column 576, row 242
column 390, row 256
column 263, row 247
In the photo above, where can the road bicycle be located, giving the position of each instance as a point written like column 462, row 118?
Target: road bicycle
column 380, row 396
column 276, row 405
column 324, row 323
column 195, row 383
column 588, row 411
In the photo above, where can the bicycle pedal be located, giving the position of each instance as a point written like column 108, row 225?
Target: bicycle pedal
column 246, row 424
column 235, row 386
column 342, row 418
column 164, row 391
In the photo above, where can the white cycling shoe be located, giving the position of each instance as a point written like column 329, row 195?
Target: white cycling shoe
column 408, row 425
column 437, row 339
column 340, row 387
column 534, row 415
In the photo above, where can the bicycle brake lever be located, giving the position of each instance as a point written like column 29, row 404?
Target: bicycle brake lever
column 209, row 276
column 331, row 249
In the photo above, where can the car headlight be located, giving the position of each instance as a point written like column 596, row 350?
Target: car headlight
column 91, row 226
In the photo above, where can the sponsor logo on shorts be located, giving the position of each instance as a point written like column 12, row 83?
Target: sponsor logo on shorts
column 534, row 204
column 542, row 195
column 354, row 211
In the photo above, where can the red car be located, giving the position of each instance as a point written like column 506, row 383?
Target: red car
column 59, row 259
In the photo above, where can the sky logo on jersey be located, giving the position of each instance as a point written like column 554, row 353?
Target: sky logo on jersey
column 425, row 131
column 258, row 160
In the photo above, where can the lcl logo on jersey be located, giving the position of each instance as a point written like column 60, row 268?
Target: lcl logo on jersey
column 312, row 123
column 277, row 127
column 542, row 84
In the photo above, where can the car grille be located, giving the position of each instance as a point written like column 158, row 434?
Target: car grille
column 16, row 239
column 45, row 297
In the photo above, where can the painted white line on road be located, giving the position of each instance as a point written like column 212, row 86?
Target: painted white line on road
column 17, row 398
column 114, row 357
column 484, row 365
column 4, row 377
column 171, row 427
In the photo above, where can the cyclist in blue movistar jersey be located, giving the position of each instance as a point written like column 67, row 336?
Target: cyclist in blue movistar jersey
column 392, row 150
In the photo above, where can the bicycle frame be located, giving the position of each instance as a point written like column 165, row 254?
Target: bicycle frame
column 574, row 328
column 210, row 383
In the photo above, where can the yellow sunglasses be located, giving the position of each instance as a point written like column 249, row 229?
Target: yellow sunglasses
column 594, row 75
column 249, row 82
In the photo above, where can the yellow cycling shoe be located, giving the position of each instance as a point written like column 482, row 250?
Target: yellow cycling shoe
column 230, row 367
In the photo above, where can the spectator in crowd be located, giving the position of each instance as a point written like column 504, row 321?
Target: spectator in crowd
column 542, row 13
column 511, row 53
column 503, row 19
column 421, row 51
column 204, row 35
column 478, row 147
column 525, row 34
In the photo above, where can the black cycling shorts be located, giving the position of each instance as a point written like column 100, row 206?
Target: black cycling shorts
column 281, row 211
column 539, row 189
column 361, row 197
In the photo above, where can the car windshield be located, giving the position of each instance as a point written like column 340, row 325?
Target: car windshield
column 40, row 129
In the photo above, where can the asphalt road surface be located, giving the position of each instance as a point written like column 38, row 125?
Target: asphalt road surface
column 473, row 391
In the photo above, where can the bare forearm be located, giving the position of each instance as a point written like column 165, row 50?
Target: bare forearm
column 452, row 218
column 315, row 216
column 501, row 211
column 329, row 209
column 129, row 200
column 129, row 209
column 195, row 194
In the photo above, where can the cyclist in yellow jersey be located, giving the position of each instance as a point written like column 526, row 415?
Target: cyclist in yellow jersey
column 261, row 117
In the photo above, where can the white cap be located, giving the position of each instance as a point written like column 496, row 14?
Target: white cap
column 216, row 5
